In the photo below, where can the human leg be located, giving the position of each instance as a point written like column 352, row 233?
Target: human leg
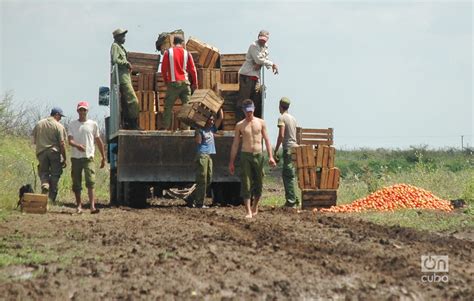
column 288, row 175
column 172, row 93
column 245, row 177
column 246, row 86
column 129, row 104
column 44, row 172
column 56, row 171
column 257, row 181
column 89, row 175
column 76, row 175
column 201, row 162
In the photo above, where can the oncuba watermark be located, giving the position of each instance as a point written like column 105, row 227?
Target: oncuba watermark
column 435, row 268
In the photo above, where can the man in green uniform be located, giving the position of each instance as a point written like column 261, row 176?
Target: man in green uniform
column 49, row 136
column 128, row 98
column 287, row 138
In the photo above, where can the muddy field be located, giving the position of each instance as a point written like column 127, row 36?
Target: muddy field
column 175, row 252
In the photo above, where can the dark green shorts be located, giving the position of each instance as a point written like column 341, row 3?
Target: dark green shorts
column 251, row 175
column 79, row 165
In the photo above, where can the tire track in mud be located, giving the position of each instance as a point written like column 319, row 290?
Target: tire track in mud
column 182, row 253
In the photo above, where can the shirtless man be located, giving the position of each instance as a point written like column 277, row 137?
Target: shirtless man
column 252, row 130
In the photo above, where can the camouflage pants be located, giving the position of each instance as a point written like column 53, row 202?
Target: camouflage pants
column 129, row 101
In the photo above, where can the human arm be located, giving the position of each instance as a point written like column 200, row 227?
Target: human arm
column 281, row 134
column 260, row 58
column 62, row 146
column 271, row 160
column 118, row 56
column 234, row 149
column 191, row 69
column 100, row 145
column 73, row 143
column 165, row 66
column 220, row 117
column 197, row 137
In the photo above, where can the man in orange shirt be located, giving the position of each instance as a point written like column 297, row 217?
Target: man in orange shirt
column 177, row 66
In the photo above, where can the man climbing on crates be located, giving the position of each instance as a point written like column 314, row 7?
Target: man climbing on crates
column 176, row 67
column 128, row 98
column 287, row 139
column 249, row 73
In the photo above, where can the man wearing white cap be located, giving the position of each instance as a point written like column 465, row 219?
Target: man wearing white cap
column 128, row 98
column 83, row 132
column 249, row 73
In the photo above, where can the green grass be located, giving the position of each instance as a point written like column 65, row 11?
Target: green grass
column 18, row 166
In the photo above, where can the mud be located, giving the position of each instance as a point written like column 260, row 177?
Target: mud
column 174, row 253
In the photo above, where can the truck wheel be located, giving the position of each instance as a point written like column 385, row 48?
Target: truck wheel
column 231, row 193
column 135, row 195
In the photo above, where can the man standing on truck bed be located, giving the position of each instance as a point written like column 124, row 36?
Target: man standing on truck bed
column 128, row 98
column 249, row 73
column 49, row 136
column 253, row 130
column 287, row 138
column 206, row 147
column 176, row 66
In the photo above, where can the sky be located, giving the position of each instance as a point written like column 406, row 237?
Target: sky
column 383, row 74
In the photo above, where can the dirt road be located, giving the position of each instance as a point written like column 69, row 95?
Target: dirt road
column 174, row 252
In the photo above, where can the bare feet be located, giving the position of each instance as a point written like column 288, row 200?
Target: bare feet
column 254, row 210
column 94, row 210
column 248, row 216
column 78, row 210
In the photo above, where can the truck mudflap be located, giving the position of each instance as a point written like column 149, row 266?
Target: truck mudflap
column 164, row 156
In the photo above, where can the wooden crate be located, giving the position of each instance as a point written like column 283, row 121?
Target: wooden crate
column 208, row 55
column 168, row 42
column 229, row 122
column 161, row 103
column 146, row 81
column 329, row 178
column 232, row 62
column 208, row 98
column 134, row 79
column 208, row 78
column 146, row 101
column 34, row 203
column 194, row 114
column 229, row 77
column 143, row 62
column 314, row 136
column 322, row 198
column 147, row 121
column 221, row 88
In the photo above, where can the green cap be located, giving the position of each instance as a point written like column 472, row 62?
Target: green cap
column 285, row 100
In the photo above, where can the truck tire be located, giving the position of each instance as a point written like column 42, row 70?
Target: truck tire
column 226, row 193
column 113, row 186
column 135, row 194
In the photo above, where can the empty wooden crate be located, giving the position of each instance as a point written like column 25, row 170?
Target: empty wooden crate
column 202, row 105
column 34, row 203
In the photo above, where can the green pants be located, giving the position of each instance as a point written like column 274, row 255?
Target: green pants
column 174, row 91
column 289, row 179
column 203, row 177
column 77, row 166
column 49, row 171
column 128, row 100
column 251, row 175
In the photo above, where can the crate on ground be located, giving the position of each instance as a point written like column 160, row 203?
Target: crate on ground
column 34, row 203
column 314, row 136
column 203, row 104
column 208, row 54
column 208, row 78
column 318, row 198
column 143, row 62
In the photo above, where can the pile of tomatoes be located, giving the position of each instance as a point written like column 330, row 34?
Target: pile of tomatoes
column 399, row 196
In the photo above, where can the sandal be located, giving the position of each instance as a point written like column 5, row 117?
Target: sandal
column 94, row 211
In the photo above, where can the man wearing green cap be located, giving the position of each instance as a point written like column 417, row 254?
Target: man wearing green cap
column 287, row 138
column 128, row 98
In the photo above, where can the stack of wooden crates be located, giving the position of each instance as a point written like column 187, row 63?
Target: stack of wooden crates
column 318, row 178
column 215, row 71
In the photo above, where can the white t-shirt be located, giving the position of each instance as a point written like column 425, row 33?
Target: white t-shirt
column 84, row 133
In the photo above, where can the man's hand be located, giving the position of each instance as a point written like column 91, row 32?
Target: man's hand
column 129, row 66
column 194, row 87
column 275, row 69
column 272, row 162
column 275, row 156
column 102, row 163
column 81, row 147
column 231, row 168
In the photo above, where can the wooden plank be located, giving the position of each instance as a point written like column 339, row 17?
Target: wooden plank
column 330, row 180
column 318, row 198
column 325, row 156
column 304, row 157
column 337, row 176
column 310, row 156
column 300, row 178
column 152, row 120
column 312, row 177
column 299, row 157
column 331, row 156
column 319, row 156
column 324, row 178
column 328, row 130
